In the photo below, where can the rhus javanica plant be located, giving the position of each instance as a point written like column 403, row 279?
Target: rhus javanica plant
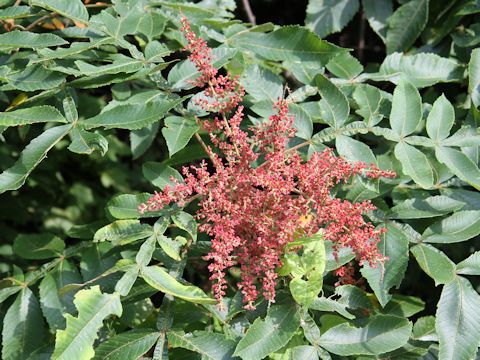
column 177, row 183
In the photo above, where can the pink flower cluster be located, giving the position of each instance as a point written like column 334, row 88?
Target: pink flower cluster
column 252, row 212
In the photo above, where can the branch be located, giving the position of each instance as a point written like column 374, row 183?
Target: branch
column 248, row 10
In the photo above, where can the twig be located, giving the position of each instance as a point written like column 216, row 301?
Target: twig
column 248, row 10
column 40, row 20
column 17, row 2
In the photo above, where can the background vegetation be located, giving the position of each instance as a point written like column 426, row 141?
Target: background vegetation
column 88, row 94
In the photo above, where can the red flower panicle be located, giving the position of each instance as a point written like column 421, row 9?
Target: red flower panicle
column 251, row 212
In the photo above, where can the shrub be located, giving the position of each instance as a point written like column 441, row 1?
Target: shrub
column 296, row 205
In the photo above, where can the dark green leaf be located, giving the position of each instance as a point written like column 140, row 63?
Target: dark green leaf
column 334, row 104
column 128, row 345
column 289, row 43
column 38, row 246
column 85, row 142
column 406, row 24
column 212, row 346
column 268, row 335
column 73, row 9
column 122, row 232
column 23, row 327
column 32, row 115
column 383, row 277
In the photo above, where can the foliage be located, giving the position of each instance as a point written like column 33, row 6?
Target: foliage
column 99, row 110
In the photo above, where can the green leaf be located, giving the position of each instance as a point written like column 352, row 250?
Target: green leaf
column 268, row 335
column 288, row 43
column 261, row 83
column 85, row 142
column 183, row 73
column 125, row 206
column 473, row 77
column 424, row 329
column 425, row 208
column 24, row 39
column 212, row 346
column 186, row 222
column 15, row 12
column 159, row 279
column 128, row 345
column 305, row 291
column 76, row 341
column 38, row 246
column 404, row 306
column 377, row 13
column 177, row 132
column 32, row 115
column 371, row 104
column 171, row 247
column 133, row 116
column 23, row 327
column 123, row 232
column 344, row 66
column 52, row 306
column 329, row 305
column 470, row 266
column 121, row 64
column 5, row 293
column 334, row 104
column 394, row 245
column 142, row 139
column 406, row 111
column 458, row 321
column 34, row 78
column 72, row 9
column 460, row 164
column 406, row 24
column 440, row 119
column 330, row 16
column 31, row 156
column 435, row 263
column 422, row 70
column 460, row 226
column 415, row 164
column 126, row 282
column 383, row 333
column 354, row 150
column 159, row 174
column 304, row 352
column 70, row 109
column 145, row 253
